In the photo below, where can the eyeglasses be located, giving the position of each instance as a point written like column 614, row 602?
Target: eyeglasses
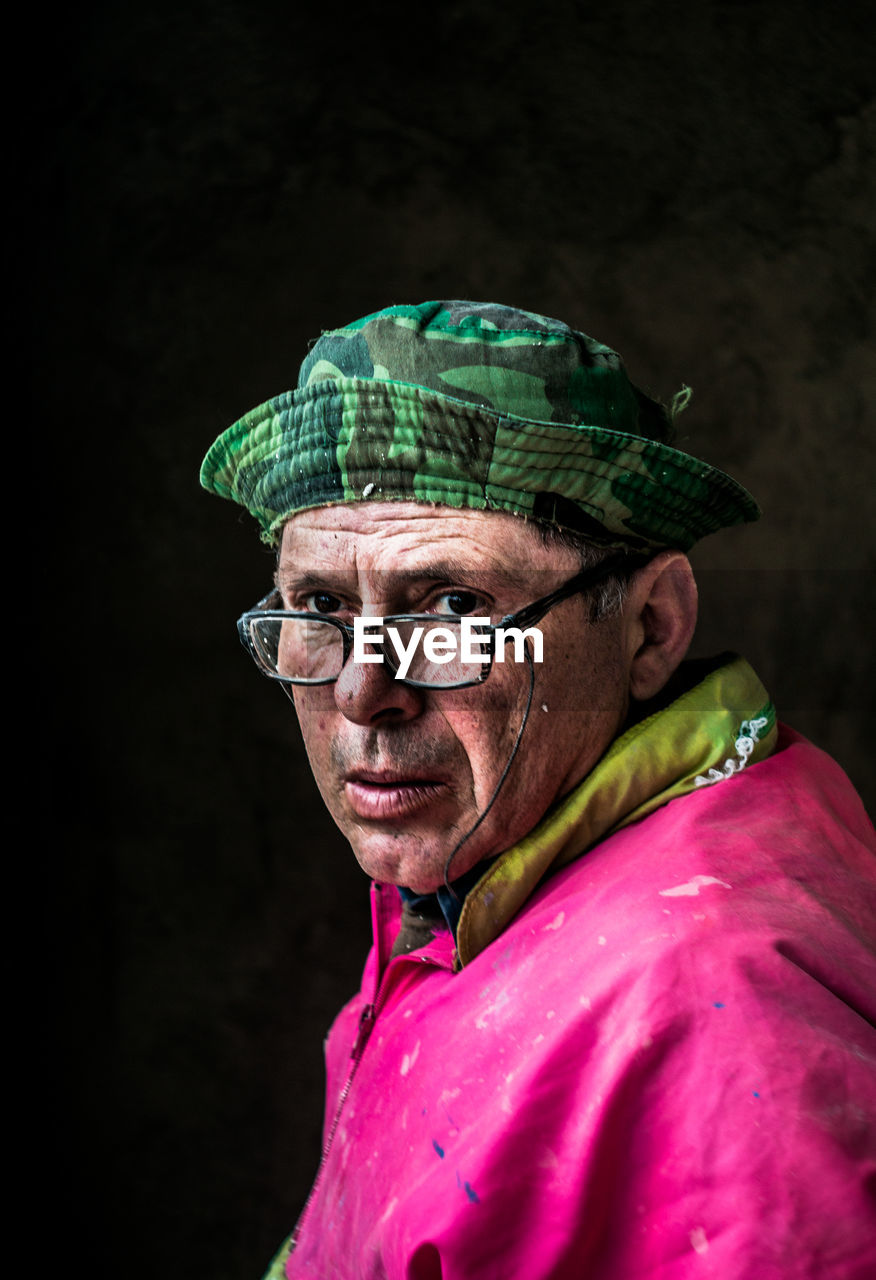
column 450, row 651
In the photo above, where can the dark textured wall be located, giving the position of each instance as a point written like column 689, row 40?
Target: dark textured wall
column 211, row 185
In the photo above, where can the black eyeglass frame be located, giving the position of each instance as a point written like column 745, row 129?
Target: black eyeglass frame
column 528, row 616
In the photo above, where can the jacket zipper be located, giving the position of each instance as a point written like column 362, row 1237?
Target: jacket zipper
column 367, row 1018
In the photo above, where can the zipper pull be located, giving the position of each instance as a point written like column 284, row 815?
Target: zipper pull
column 366, row 1022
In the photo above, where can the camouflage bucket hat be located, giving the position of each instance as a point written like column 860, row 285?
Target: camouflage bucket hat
column 473, row 405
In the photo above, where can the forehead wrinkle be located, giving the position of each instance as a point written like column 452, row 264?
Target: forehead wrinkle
column 388, row 551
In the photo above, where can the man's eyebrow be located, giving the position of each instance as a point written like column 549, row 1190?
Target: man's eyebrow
column 449, row 571
column 300, row 579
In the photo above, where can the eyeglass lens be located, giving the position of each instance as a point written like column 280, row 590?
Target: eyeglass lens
column 432, row 653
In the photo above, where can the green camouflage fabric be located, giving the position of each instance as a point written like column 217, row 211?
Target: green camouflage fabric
column 480, row 406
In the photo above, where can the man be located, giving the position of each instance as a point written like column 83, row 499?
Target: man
column 617, row 1019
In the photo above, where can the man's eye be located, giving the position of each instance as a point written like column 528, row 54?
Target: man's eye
column 322, row 602
column 459, row 602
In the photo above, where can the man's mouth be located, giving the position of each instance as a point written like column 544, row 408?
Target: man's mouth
column 384, row 796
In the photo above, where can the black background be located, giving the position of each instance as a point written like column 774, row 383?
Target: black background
column 206, row 186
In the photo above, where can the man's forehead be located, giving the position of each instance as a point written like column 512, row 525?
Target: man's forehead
column 405, row 538
column 415, row 527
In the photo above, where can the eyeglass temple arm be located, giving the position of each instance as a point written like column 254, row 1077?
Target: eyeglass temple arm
column 534, row 612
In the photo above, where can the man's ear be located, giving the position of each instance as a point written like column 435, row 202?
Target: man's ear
column 660, row 615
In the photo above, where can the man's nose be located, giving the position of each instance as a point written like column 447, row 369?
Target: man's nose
column 367, row 692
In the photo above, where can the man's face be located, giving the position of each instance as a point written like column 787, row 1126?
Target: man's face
column 407, row 772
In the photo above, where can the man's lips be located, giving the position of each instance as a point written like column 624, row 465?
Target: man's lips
column 383, row 796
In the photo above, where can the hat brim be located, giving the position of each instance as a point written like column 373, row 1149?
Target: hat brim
column 360, row 440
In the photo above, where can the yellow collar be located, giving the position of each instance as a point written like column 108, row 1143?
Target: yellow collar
column 711, row 731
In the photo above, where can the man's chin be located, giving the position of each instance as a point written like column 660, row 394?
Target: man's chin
column 420, row 874
column 403, row 860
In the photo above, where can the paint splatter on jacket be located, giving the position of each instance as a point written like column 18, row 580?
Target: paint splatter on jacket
column 660, row 1064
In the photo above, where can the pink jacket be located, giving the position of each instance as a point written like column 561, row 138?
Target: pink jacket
column 664, row 1067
